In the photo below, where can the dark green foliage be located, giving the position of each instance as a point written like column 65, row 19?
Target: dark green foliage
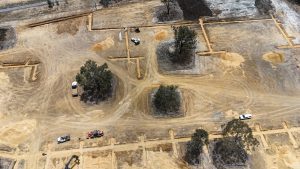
column 200, row 136
column 96, row 81
column 240, row 132
column 50, row 3
column 168, row 4
column 228, row 152
column 185, row 44
column 195, row 146
column 231, row 150
column 167, row 99
column 105, row 3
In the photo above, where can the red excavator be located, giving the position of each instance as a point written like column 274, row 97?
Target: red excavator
column 95, row 134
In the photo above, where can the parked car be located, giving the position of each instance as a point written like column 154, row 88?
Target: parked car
column 136, row 41
column 63, row 139
column 95, row 134
column 74, row 89
column 245, row 116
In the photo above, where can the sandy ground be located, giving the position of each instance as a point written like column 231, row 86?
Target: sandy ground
column 4, row 2
column 251, row 77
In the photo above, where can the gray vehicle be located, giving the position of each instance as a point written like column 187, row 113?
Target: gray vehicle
column 63, row 139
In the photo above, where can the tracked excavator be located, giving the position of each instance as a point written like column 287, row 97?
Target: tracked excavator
column 74, row 160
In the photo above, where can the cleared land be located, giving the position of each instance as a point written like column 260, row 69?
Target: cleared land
column 251, row 74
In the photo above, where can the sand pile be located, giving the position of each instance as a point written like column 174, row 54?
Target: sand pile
column 232, row 59
column 161, row 35
column 104, row 45
column 273, row 57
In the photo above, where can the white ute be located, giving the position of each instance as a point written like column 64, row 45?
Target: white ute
column 74, row 89
column 245, row 116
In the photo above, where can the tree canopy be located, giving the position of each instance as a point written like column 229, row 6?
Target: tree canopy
column 195, row 146
column 105, row 3
column 95, row 80
column 168, row 4
column 241, row 133
column 232, row 148
column 185, row 44
column 227, row 152
column 167, row 99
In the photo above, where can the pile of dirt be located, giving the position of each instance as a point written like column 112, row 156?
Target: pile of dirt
column 161, row 35
column 232, row 59
column 273, row 57
column 264, row 6
column 106, row 44
column 7, row 38
column 194, row 9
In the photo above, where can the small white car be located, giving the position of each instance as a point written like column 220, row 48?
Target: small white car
column 63, row 139
column 74, row 89
column 136, row 41
column 245, row 116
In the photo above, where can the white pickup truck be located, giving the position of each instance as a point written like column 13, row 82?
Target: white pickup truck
column 74, row 89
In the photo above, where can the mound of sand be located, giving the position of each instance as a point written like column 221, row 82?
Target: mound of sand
column 16, row 133
column 232, row 59
column 104, row 45
column 273, row 57
column 161, row 35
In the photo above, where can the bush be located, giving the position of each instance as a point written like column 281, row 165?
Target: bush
column 240, row 132
column 105, row 3
column 96, row 81
column 185, row 45
column 231, row 150
column 228, row 152
column 167, row 99
column 168, row 4
column 195, row 146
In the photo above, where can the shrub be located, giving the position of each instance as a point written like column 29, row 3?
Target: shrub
column 96, row 81
column 167, row 99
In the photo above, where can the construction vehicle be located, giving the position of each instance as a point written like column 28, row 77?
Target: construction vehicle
column 71, row 163
column 94, row 134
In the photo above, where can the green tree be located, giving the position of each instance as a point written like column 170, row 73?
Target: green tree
column 195, row 146
column 168, row 4
column 167, row 99
column 241, row 133
column 105, row 3
column 50, row 3
column 185, row 44
column 95, row 80
column 227, row 152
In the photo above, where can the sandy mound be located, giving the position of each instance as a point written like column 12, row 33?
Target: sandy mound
column 16, row 133
column 232, row 59
column 106, row 44
column 273, row 57
column 161, row 35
